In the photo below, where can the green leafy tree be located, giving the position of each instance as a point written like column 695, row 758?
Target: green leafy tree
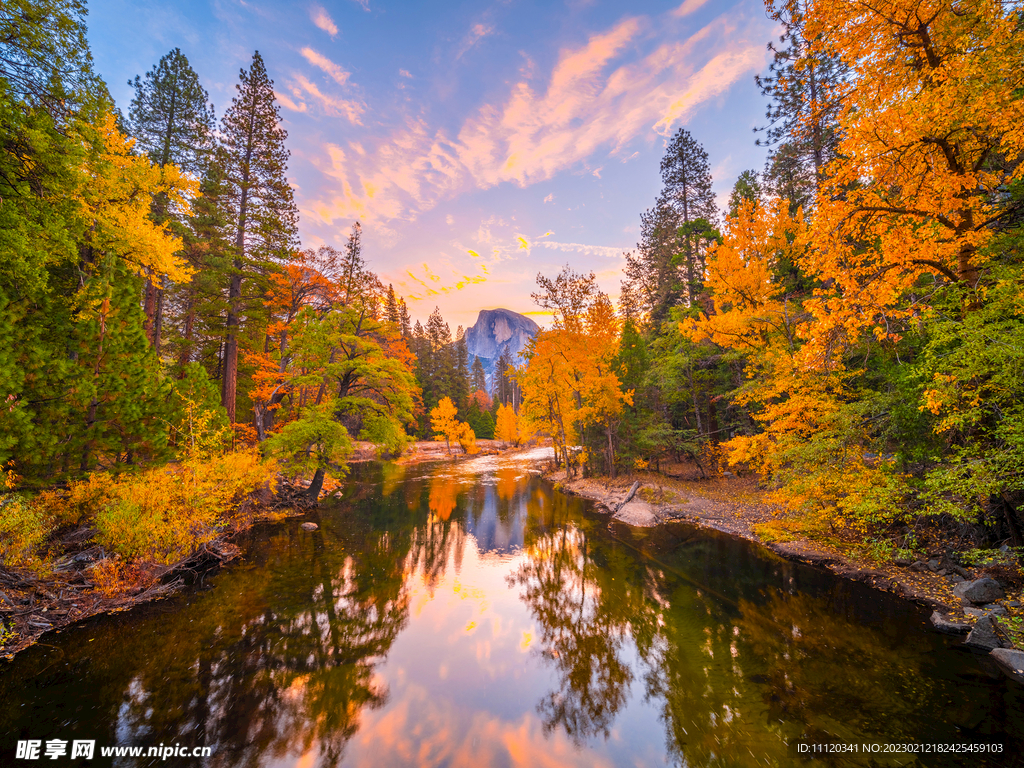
column 315, row 443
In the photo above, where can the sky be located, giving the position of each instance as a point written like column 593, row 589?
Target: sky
column 477, row 143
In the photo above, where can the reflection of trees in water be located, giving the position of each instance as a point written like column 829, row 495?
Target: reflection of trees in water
column 443, row 490
column 822, row 667
column 286, row 664
column 281, row 658
column 582, row 640
column 732, row 690
column 587, row 598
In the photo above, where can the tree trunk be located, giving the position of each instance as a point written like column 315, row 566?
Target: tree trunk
column 315, row 486
column 149, row 308
column 611, row 452
column 230, row 381
column 158, row 320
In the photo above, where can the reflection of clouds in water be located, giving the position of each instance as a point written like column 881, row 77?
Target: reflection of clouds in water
column 425, row 730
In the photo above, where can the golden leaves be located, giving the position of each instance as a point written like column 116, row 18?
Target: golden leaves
column 117, row 189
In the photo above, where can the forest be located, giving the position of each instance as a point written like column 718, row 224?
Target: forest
column 851, row 328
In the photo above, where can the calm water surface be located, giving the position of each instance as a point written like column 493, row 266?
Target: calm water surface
column 474, row 616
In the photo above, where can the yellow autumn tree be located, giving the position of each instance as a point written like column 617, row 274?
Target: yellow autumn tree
column 447, row 427
column 569, row 384
column 933, row 129
column 813, row 441
column 116, row 189
column 507, row 427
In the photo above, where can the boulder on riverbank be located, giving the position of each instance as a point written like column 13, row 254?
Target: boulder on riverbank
column 983, row 636
column 637, row 513
column 979, row 591
column 1010, row 662
column 948, row 627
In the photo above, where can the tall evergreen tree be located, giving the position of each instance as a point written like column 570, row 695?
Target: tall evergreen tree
column 667, row 268
column 172, row 121
column 478, row 377
column 746, row 188
column 803, row 85
column 171, row 116
column 391, row 307
column 260, row 205
column 687, row 179
column 404, row 319
column 460, row 382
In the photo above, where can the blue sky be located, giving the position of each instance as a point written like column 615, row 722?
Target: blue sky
column 477, row 143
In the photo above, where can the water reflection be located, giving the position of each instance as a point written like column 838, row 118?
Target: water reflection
column 439, row 617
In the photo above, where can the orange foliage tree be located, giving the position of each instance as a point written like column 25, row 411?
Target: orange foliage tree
column 569, row 383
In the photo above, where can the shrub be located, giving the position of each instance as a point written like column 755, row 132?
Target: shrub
column 23, row 528
column 165, row 515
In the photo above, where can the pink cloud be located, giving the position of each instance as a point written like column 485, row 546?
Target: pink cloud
column 598, row 98
column 331, row 105
column 323, row 20
column 339, row 75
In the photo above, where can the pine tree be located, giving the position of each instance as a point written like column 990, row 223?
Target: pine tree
column 747, row 187
column 460, row 383
column 687, row 191
column 803, row 84
column 194, row 327
column 404, row 320
column 478, row 377
column 172, row 121
column 668, row 266
column 262, row 211
column 170, row 115
column 391, row 307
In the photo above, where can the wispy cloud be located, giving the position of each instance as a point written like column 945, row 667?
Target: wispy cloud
column 331, row 105
column 590, row 250
column 323, row 20
column 476, row 33
column 404, row 73
column 598, row 98
column 339, row 75
column 688, row 7
column 364, row 4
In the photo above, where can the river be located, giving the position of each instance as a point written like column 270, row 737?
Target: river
column 471, row 615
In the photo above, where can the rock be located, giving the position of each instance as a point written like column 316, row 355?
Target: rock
column 629, row 496
column 497, row 331
column 309, row 526
column 983, row 637
column 918, row 567
column 957, row 579
column 979, row 591
column 975, row 612
column 1010, row 661
column 942, row 571
column 902, row 562
column 948, row 627
column 933, row 565
column 1011, row 604
column 728, row 474
column 995, row 609
column 637, row 513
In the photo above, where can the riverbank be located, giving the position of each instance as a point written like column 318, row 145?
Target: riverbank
column 988, row 616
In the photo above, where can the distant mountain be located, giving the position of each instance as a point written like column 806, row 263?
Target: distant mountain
column 497, row 330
